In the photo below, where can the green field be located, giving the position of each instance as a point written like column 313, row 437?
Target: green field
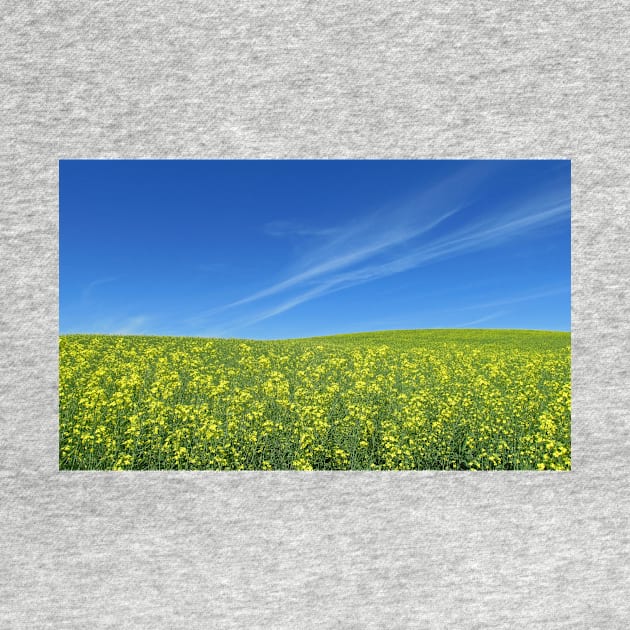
column 391, row 400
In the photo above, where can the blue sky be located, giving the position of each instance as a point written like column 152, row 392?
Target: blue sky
column 269, row 249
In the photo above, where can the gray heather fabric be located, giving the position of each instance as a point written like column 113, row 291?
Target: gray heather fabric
column 314, row 550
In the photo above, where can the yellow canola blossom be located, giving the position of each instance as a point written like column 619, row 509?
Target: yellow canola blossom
column 406, row 400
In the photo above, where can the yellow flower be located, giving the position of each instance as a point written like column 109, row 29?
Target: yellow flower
column 476, row 402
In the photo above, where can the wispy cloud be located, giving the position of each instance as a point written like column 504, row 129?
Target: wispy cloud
column 487, row 318
column 88, row 290
column 401, row 237
column 441, row 248
column 364, row 239
column 132, row 325
column 518, row 298
column 282, row 229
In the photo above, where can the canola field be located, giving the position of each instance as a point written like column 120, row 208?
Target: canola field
column 393, row 400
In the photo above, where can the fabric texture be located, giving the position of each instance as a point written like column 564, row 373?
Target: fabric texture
column 396, row 79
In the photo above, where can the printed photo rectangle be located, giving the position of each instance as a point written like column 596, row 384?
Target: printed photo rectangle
column 315, row 315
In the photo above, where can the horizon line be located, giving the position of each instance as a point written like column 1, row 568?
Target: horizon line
column 358, row 332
